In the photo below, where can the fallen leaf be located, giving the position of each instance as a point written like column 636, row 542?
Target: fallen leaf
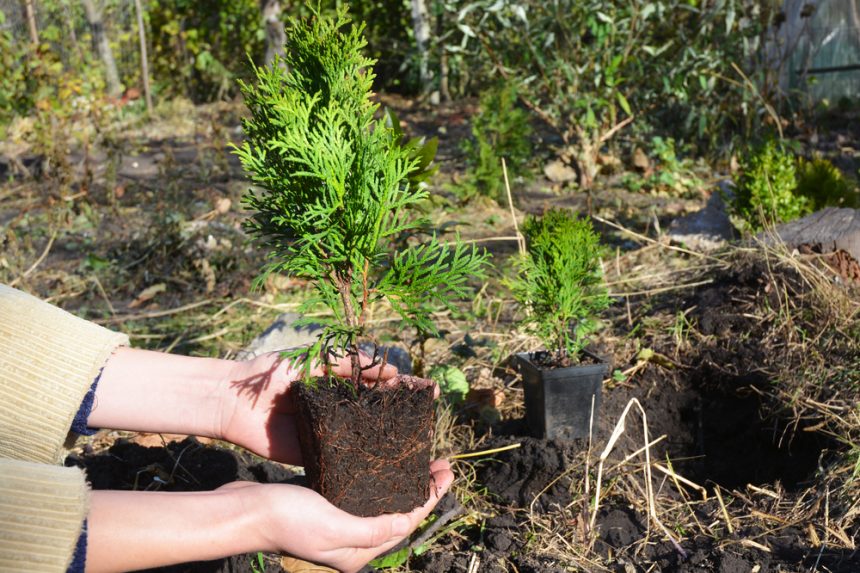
column 293, row 565
column 223, row 205
column 147, row 294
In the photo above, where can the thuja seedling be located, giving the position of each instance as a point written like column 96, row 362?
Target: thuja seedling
column 559, row 281
column 335, row 190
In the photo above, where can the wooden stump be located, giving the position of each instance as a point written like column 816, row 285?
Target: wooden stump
column 833, row 232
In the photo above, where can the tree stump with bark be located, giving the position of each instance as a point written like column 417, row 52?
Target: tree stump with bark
column 833, row 233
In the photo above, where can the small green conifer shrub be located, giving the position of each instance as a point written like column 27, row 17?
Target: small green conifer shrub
column 559, row 281
column 822, row 182
column 501, row 129
column 335, row 188
column 765, row 191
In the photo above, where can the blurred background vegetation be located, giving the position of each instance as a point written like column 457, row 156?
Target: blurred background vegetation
column 599, row 75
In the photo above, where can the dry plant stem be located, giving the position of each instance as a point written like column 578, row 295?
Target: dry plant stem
column 681, row 479
column 752, row 87
column 655, row 242
column 485, row 452
column 676, row 479
column 38, row 261
column 725, row 511
column 521, row 241
column 155, row 314
column 649, row 490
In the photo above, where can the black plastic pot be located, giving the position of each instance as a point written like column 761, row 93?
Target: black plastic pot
column 558, row 400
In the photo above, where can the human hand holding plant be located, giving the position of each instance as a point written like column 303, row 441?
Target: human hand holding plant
column 258, row 407
column 242, row 517
column 150, row 391
column 248, row 403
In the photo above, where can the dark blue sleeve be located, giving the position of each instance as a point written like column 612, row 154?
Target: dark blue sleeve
column 79, row 424
column 79, row 561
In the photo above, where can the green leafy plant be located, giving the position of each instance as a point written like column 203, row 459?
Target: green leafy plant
column 201, row 46
column 765, row 191
column 559, row 282
column 823, row 184
column 258, row 564
column 671, row 174
column 335, row 190
column 451, row 381
column 501, row 129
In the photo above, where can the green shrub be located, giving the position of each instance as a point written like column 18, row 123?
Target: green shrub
column 765, row 191
column 823, row 184
column 559, row 281
column 671, row 174
column 334, row 190
column 199, row 47
column 500, row 129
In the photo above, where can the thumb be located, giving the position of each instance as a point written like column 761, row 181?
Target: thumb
column 374, row 532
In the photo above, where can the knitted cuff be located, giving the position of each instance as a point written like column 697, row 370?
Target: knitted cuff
column 42, row 508
column 48, row 361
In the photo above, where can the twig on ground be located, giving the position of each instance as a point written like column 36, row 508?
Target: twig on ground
column 38, row 261
column 440, row 522
column 647, row 239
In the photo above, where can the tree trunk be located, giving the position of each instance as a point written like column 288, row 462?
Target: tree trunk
column 30, row 14
column 94, row 18
column 275, row 35
column 833, row 232
column 144, row 62
column 421, row 27
column 444, row 89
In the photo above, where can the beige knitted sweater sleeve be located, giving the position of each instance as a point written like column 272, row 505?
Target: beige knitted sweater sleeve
column 48, row 360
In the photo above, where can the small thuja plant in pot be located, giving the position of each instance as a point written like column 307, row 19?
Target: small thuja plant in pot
column 560, row 289
column 335, row 191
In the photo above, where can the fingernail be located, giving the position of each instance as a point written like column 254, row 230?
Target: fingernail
column 401, row 526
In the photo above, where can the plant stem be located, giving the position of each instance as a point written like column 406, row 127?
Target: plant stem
column 344, row 282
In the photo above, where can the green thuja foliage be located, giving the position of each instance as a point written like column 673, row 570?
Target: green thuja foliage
column 775, row 187
column 559, row 281
column 501, row 129
column 824, row 185
column 766, row 188
column 336, row 188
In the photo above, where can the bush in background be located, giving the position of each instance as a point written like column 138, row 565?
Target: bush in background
column 500, row 130
column 765, row 192
column 199, row 47
column 775, row 186
column 824, row 185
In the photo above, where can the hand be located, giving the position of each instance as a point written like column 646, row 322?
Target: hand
column 302, row 523
column 156, row 528
column 257, row 405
